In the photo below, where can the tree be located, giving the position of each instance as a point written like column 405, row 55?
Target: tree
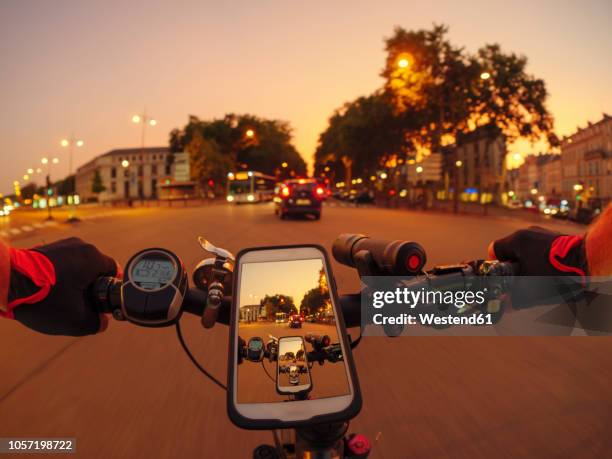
column 312, row 301
column 66, row 187
column 97, row 186
column 452, row 91
column 237, row 142
column 273, row 304
column 360, row 135
column 432, row 81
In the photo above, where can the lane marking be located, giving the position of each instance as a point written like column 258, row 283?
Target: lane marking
column 27, row 228
column 38, row 225
column 15, row 231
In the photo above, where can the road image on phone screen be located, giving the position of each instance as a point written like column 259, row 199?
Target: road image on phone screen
column 288, row 305
column 293, row 375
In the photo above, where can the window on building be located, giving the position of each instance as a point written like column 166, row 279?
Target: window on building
column 126, row 173
column 113, row 172
column 140, row 170
column 154, row 169
column 113, row 187
column 168, row 169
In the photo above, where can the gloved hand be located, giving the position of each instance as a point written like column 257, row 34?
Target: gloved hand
column 49, row 287
column 549, row 255
column 541, row 252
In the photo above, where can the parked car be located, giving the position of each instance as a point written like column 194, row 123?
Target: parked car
column 299, row 197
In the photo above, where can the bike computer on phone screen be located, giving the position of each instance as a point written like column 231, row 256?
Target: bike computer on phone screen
column 285, row 298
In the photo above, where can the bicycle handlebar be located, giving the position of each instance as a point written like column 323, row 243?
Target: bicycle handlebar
column 107, row 297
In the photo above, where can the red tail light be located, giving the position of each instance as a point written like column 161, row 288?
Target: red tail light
column 285, row 191
column 319, row 191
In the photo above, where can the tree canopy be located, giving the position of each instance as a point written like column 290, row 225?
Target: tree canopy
column 433, row 91
column 235, row 142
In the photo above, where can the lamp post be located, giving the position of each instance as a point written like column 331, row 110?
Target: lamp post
column 70, row 143
column 143, row 119
column 48, row 162
column 458, row 166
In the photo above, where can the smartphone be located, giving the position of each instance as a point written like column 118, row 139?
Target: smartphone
column 292, row 372
column 282, row 295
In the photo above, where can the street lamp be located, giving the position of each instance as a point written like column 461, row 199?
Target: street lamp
column 458, row 163
column 250, row 133
column 30, row 171
column 485, row 75
column 284, row 165
column 419, row 169
column 144, row 120
column 48, row 163
column 125, row 163
column 70, row 143
column 403, row 63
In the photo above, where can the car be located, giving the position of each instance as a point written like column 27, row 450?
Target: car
column 299, row 197
column 296, row 321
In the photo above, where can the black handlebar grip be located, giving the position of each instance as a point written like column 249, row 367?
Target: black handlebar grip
column 396, row 258
column 106, row 293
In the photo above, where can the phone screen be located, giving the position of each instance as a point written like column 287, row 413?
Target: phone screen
column 292, row 375
column 289, row 306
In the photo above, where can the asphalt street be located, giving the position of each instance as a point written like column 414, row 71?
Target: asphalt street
column 132, row 393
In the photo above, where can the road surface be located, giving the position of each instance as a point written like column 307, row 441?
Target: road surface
column 132, row 393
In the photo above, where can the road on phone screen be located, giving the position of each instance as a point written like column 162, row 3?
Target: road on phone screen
column 132, row 393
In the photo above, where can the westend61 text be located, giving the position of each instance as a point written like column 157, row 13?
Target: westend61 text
column 432, row 319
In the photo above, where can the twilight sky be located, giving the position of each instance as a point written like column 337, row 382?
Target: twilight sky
column 87, row 66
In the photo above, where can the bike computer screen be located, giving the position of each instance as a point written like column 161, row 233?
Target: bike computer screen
column 153, row 271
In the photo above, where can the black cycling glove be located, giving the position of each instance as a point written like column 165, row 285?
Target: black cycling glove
column 49, row 289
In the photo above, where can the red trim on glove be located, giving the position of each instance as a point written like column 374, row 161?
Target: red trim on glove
column 560, row 249
column 5, row 275
column 38, row 268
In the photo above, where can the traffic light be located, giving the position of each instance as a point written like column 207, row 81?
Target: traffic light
column 211, row 183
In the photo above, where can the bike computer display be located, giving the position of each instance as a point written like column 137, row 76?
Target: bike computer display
column 154, row 287
column 153, row 271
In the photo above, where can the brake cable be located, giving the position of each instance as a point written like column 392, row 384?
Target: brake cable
column 194, row 361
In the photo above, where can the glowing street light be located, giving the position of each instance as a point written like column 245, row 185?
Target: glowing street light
column 55, row 161
column 125, row 163
column 458, row 163
column 284, row 165
column 44, row 161
column 250, row 133
column 30, row 171
column 485, row 75
column 26, row 177
column 144, row 120
column 578, row 187
column 383, row 175
column 534, row 191
column 419, row 169
column 403, row 63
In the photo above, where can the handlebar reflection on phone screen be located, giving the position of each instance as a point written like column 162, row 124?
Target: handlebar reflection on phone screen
column 287, row 303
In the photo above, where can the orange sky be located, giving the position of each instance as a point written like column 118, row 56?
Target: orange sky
column 292, row 278
column 87, row 66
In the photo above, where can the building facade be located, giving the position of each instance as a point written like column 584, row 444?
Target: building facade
column 129, row 173
column 586, row 161
column 479, row 160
